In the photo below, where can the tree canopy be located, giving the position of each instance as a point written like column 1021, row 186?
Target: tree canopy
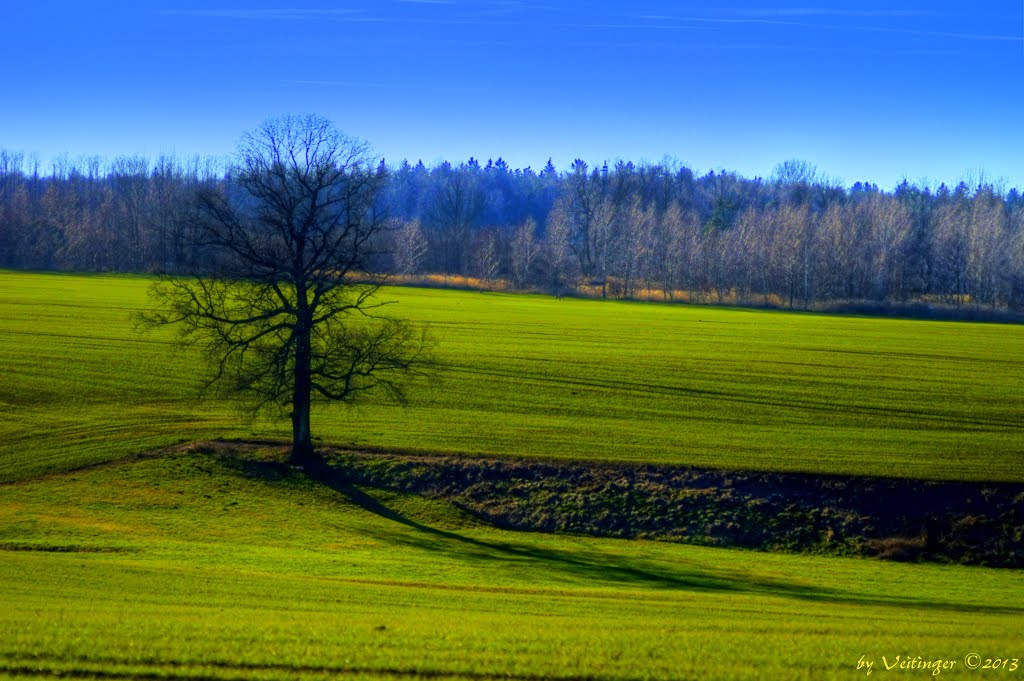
column 283, row 300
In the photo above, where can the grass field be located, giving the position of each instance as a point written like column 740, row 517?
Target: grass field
column 534, row 376
column 194, row 566
column 203, row 566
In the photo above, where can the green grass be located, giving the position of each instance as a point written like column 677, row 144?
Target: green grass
column 534, row 376
column 198, row 566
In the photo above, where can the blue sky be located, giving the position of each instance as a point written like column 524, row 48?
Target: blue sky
column 929, row 91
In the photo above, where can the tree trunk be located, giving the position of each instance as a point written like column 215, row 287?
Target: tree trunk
column 302, row 440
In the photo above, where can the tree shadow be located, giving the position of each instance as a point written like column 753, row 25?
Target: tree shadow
column 571, row 565
column 581, row 566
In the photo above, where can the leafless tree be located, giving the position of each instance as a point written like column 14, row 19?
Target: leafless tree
column 410, row 249
column 563, row 268
column 524, row 252
column 989, row 247
column 793, row 236
column 952, row 249
column 635, row 242
column 288, row 310
column 888, row 224
column 682, row 229
column 486, row 258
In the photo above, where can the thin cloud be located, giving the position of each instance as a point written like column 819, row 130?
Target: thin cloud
column 348, row 15
column 835, row 27
column 505, row 8
column 264, row 14
column 833, row 12
column 753, row 47
column 614, row 25
column 517, row 5
column 337, row 83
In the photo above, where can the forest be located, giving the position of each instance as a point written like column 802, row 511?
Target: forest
column 651, row 231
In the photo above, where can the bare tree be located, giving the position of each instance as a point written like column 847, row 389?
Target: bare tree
column 410, row 248
column 683, row 253
column 486, row 259
column 888, row 228
column 562, row 266
column 793, row 241
column 1015, row 283
column 989, row 247
column 635, row 244
column 524, row 252
column 603, row 244
column 288, row 310
column 952, row 248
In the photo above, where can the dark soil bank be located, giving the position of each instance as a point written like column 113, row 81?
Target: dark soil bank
column 975, row 523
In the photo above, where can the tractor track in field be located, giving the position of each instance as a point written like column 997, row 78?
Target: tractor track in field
column 229, row 671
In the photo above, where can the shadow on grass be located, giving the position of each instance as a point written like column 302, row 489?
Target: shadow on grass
column 580, row 566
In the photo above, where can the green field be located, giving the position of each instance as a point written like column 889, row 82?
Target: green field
column 218, row 566
column 534, row 376
column 194, row 566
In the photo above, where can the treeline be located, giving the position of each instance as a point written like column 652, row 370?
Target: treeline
column 131, row 215
column 656, row 230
